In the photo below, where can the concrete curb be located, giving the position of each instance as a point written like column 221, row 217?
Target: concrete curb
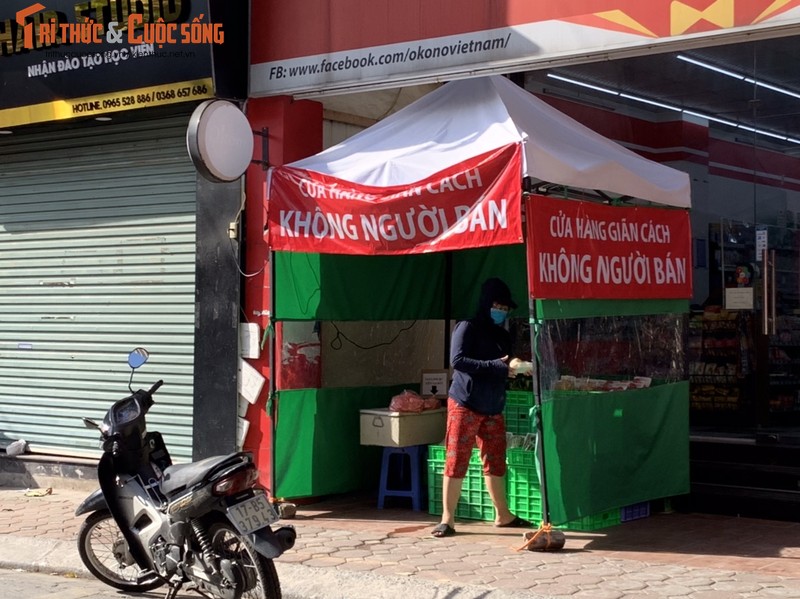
column 41, row 555
column 49, row 556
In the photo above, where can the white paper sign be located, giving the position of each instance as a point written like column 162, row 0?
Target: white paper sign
column 761, row 244
column 739, row 298
column 434, row 382
column 250, row 381
column 241, row 431
column 249, row 340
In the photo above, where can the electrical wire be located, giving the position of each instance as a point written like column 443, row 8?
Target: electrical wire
column 236, row 262
column 337, row 343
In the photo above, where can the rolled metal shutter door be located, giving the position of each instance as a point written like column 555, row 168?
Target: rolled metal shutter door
column 97, row 257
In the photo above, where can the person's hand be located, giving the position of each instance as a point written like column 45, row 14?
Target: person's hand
column 517, row 366
column 512, row 368
column 505, row 359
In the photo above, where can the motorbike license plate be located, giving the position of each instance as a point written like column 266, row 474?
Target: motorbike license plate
column 252, row 514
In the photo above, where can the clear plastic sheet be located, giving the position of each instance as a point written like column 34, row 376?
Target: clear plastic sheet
column 611, row 353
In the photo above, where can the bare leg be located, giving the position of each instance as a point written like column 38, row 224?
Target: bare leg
column 496, row 485
column 451, row 492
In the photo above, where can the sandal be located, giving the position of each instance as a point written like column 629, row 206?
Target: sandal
column 443, row 530
column 517, row 522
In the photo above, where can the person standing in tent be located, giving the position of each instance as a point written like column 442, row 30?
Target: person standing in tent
column 479, row 355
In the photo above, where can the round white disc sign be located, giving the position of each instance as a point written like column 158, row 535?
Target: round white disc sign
column 219, row 140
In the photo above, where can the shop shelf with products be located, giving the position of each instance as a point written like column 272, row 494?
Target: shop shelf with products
column 720, row 363
column 768, row 390
column 784, row 366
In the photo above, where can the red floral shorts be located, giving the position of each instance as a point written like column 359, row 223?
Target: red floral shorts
column 465, row 429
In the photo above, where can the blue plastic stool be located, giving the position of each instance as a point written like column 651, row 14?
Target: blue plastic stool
column 408, row 457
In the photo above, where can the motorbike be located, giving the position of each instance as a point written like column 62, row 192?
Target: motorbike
column 205, row 526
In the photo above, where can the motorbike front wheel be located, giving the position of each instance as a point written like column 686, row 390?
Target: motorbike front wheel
column 259, row 575
column 105, row 554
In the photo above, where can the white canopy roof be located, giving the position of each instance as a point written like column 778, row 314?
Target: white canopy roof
column 466, row 118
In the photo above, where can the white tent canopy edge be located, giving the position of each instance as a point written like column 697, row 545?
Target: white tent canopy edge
column 469, row 117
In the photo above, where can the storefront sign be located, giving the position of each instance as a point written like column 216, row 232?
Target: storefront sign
column 62, row 58
column 326, row 45
column 761, row 244
column 472, row 204
column 579, row 250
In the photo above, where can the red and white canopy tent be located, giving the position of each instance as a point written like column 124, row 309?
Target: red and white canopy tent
column 446, row 173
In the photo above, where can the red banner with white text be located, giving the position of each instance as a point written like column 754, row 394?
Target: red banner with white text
column 472, row 204
column 580, row 250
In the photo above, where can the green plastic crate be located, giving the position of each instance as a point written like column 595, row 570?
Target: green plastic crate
column 475, row 503
column 522, row 485
column 596, row 522
column 518, row 420
column 517, row 412
column 519, row 398
column 438, row 453
column 521, row 457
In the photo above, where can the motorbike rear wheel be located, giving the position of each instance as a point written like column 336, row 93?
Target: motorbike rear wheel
column 260, row 577
column 104, row 552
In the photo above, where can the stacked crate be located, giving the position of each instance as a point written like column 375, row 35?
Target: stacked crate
column 522, row 480
column 475, row 503
column 517, row 412
column 522, row 486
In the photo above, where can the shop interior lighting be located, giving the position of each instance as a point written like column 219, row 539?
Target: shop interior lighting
column 711, row 118
column 5, row 132
column 739, row 76
column 710, row 67
column 582, row 84
column 651, row 102
column 701, row 115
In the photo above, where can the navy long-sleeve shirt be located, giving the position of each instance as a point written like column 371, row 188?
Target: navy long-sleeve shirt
column 479, row 374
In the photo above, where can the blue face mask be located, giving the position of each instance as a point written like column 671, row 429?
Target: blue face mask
column 498, row 316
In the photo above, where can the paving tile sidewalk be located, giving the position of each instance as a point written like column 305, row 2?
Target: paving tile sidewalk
column 667, row 555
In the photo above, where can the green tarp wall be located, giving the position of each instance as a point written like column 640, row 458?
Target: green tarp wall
column 601, row 450
column 317, row 440
column 333, row 287
column 317, row 450
column 604, row 450
column 608, row 450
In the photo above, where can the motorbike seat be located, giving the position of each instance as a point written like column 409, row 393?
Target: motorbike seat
column 182, row 476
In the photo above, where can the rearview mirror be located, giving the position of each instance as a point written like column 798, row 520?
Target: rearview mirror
column 138, row 357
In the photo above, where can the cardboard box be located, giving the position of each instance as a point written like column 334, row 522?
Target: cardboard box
column 402, row 429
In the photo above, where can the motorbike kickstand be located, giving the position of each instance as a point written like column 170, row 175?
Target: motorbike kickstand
column 173, row 591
